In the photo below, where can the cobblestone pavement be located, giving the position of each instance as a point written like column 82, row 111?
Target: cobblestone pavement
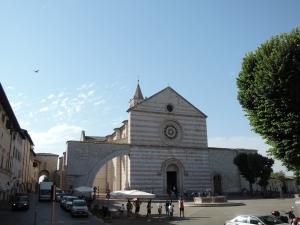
column 206, row 215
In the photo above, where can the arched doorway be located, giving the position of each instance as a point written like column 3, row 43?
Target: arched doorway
column 172, row 178
column 173, row 172
column 217, row 184
column 44, row 175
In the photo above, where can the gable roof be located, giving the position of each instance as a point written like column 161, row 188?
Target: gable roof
column 163, row 90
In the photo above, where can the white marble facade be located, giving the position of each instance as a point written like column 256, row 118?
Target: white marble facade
column 162, row 144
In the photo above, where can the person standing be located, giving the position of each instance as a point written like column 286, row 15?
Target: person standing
column 167, row 207
column 129, row 208
column 181, row 207
column 149, row 208
column 159, row 209
column 137, row 205
column 122, row 209
column 171, row 209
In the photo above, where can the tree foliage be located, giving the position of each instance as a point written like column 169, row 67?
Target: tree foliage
column 253, row 166
column 269, row 92
column 278, row 176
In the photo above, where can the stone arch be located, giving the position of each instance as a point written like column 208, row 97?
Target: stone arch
column 98, row 165
column 179, row 167
column 44, row 173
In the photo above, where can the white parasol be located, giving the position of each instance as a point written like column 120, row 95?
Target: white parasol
column 130, row 194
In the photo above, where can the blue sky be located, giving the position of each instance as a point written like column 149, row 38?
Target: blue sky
column 91, row 53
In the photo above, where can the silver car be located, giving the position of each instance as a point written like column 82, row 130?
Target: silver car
column 79, row 208
column 255, row 219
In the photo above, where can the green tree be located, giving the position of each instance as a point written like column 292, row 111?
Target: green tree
column 266, row 165
column 253, row 166
column 269, row 92
column 280, row 176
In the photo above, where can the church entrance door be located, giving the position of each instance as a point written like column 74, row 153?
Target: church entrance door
column 171, row 180
column 217, row 184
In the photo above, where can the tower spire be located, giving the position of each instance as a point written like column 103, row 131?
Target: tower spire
column 138, row 96
column 138, row 93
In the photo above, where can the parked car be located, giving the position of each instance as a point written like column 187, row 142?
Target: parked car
column 63, row 201
column 79, row 208
column 69, row 202
column 255, row 219
column 59, row 194
column 20, row 202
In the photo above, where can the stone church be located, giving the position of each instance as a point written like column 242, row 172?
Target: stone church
column 162, row 145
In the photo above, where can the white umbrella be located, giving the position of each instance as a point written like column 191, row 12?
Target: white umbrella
column 131, row 194
column 84, row 189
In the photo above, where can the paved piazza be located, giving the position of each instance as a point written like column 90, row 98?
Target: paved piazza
column 210, row 215
column 193, row 215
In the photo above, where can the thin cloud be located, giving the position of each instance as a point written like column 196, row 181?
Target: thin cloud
column 86, row 86
column 50, row 139
column 100, row 102
column 44, row 109
column 91, row 92
column 17, row 105
column 61, row 94
column 51, row 96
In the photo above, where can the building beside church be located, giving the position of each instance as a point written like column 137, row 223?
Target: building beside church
column 162, row 146
column 16, row 153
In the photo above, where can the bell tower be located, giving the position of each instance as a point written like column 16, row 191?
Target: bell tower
column 138, row 96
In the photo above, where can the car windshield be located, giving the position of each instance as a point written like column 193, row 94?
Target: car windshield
column 269, row 220
column 79, row 203
column 71, row 198
column 21, row 198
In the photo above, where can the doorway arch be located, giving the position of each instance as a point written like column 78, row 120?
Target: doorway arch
column 173, row 173
column 217, row 179
column 45, row 174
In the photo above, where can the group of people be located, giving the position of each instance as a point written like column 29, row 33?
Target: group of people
column 169, row 208
column 129, row 207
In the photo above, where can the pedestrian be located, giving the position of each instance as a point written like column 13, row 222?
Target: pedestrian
column 181, row 206
column 175, row 192
column 159, row 209
column 122, row 209
column 149, row 208
column 167, row 207
column 137, row 205
column 129, row 208
column 171, row 209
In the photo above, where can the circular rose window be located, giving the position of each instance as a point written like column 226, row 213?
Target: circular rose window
column 170, row 131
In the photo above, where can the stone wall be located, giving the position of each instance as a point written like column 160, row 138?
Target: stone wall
column 148, row 174
column 221, row 163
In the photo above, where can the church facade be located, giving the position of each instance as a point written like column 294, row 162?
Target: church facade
column 162, row 146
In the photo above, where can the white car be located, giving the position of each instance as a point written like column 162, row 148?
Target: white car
column 69, row 202
column 79, row 208
column 255, row 219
